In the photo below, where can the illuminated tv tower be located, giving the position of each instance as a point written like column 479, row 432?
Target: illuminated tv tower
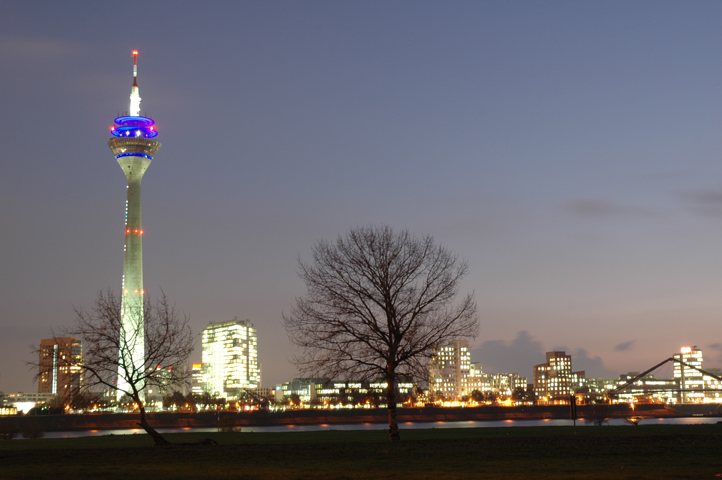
column 134, row 146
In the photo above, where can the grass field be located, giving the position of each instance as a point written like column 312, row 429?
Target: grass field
column 641, row 452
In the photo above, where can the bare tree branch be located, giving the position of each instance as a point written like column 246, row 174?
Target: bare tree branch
column 168, row 344
column 376, row 302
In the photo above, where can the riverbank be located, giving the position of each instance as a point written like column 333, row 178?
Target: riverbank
column 114, row 421
column 659, row 452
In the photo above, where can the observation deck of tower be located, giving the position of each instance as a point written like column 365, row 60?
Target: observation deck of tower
column 134, row 146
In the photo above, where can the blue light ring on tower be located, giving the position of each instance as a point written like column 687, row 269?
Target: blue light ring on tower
column 129, row 126
column 135, row 121
column 134, row 155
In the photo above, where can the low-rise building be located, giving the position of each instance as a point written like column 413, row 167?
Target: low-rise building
column 646, row 389
column 24, row 401
column 320, row 391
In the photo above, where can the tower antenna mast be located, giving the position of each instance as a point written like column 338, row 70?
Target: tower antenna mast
column 134, row 91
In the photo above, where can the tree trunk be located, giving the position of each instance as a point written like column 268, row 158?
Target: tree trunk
column 391, row 403
column 157, row 437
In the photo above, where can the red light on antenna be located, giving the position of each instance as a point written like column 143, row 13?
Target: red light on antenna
column 135, row 52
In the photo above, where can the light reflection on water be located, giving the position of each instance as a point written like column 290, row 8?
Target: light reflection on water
column 381, row 426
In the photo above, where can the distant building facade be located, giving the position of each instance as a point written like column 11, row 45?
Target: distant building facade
column 477, row 379
column 449, row 370
column 197, row 379
column 324, row 391
column 229, row 358
column 647, row 389
column 555, row 380
column 452, row 375
column 60, row 372
column 695, row 385
column 506, row 383
column 691, row 381
column 713, row 385
column 166, row 381
column 25, row 401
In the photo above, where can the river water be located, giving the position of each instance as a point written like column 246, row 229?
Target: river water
column 402, row 426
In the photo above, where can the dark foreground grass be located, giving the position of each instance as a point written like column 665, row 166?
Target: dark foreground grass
column 654, row 452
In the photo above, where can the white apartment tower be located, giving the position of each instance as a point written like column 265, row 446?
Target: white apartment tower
column 230, row 358
column 449, row 369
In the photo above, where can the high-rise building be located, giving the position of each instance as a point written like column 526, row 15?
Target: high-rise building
column 230, row 358
column 197, row 378
column 691, row 380
column 555, row 378
column 449, row 369
column 60, row 363
column 134, row 147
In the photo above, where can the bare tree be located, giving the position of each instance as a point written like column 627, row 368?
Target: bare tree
column 377, row 302
column 168, row 343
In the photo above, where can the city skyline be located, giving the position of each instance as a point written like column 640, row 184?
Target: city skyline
column 570, row 152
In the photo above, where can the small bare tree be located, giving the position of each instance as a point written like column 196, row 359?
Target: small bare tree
column 377, row 302
column 168, row 343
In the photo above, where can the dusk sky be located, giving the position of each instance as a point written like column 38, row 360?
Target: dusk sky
column 570, row 151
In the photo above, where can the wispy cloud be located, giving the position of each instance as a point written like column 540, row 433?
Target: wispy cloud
column 625, row 346
column 598, row 208
column 704, row 201
column 35, row 49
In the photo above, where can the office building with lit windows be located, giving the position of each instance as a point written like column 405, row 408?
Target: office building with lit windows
column 696, row 385
column 324, row 391
column 60, row 372
column 197, row 378
column 452, row 375
column 449, row 370
column 555, row 378
column 691, row 380
column 230, row 358
column 477, row 379
column 505, row 383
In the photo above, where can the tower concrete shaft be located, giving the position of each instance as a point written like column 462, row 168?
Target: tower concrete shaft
column 132, row 342
column 134, row 147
